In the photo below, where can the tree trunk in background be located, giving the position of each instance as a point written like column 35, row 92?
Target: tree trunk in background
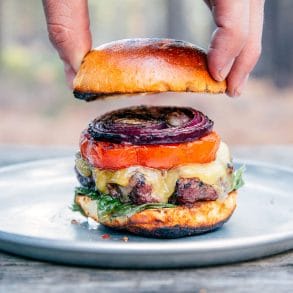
column 175, row 20
column 277, row 58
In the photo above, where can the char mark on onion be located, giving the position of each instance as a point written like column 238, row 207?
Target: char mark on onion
column 149, row 125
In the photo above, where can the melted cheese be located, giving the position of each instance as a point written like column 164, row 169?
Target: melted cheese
column 164, row 181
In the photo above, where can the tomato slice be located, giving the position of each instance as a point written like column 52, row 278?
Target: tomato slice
column 115, row 156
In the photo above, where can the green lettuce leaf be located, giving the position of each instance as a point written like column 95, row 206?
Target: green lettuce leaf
column 76, row 208
column 112, row 207
column 87, row 191
column 237, row 178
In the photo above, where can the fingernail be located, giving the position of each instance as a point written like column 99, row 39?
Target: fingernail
column 223, row 72
column 239, row 88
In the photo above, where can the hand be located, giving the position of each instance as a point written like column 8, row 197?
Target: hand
column 236, row 43
column 68, row 27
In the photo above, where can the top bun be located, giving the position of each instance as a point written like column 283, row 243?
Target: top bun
column 144, row 66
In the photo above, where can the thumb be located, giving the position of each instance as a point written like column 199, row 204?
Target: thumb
column 68, row 28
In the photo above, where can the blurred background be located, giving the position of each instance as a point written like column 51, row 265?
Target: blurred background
column 37, row 108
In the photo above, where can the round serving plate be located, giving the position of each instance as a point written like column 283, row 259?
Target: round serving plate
column 36, row 221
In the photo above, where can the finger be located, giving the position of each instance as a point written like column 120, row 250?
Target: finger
column 68, row 27
column 250, row 54
column 232, row 20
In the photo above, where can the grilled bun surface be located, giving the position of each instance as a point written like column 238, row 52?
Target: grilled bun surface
column 143, row 66
column 175, row 222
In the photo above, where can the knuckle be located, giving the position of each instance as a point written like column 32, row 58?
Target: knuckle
column 239, row 34
column 58, row 34
column 236, row 28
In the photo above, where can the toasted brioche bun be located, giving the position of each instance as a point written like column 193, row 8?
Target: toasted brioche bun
column 144, row 65
column 175, row 222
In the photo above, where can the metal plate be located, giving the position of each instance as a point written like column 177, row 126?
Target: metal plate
column 35, row 221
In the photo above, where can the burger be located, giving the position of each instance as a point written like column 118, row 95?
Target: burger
column 156, row 171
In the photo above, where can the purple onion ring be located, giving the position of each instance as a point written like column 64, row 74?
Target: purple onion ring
column 149, row 125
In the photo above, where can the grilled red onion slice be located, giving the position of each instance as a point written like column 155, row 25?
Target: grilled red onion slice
column 145, row 125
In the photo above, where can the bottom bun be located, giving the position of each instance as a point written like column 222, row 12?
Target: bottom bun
column 175, row 222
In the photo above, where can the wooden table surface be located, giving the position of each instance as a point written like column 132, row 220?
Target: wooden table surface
column 272, row 274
